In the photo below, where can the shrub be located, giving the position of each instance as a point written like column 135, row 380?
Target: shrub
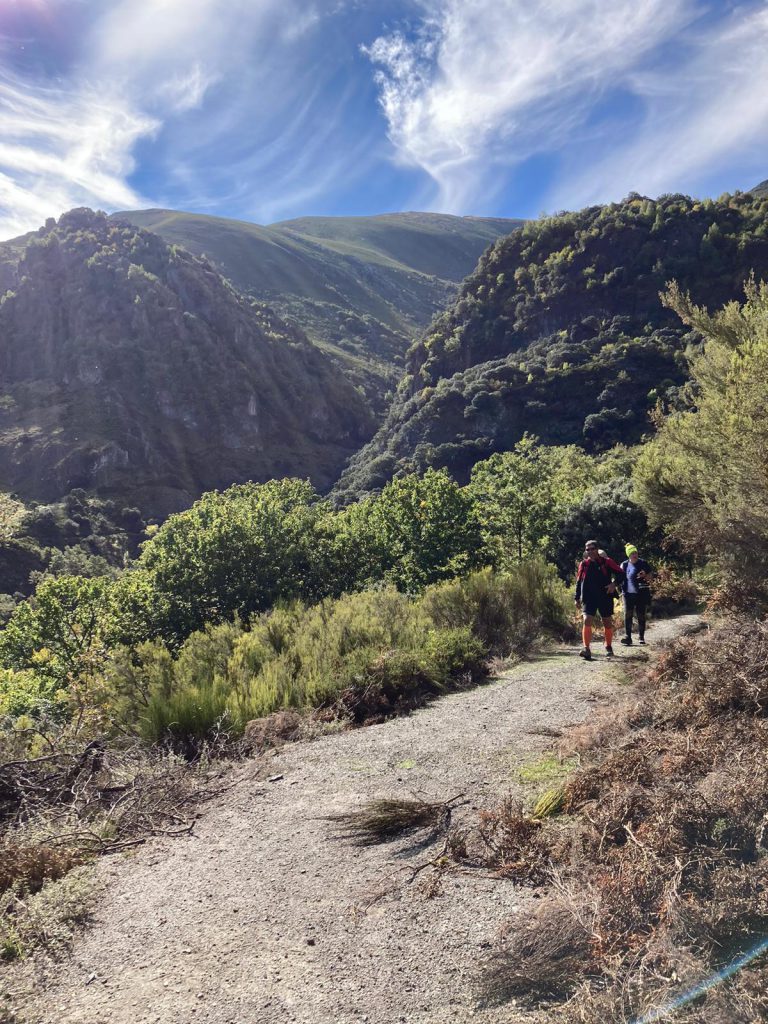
column 27, row 693
column 238, row 553
column 674, row 591
column 419, row 530
column 506, row 612
column 360, row 656
column 662, row 854
column 48, row 919
column 703, row 477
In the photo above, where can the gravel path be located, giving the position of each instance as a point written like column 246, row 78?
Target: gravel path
column 262, row 917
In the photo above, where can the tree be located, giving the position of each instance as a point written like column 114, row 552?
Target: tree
column 705, row 475
column 62, row 631
column 607, row 512
column 238, row 552
column 419, row 530
column 519, row 495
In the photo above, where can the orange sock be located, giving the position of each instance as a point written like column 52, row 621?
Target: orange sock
column 586, row 635
column 608, row 636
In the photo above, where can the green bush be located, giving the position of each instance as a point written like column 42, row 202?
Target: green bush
column 238, row 553
column 506, row 612
column 704, row 477
column 450, row 653
column 27, row 693
column 360, row 656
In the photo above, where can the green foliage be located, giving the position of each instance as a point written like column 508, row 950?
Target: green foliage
column 236, row 553
column 506, row 611
column 293, row 657
column 61, row 632
column 77, row 536
column 705, row 476
column 560, row 332
column 419, row 530
column 609, row 513
column 363, row 654
column 29, row 693
column 518, row 496
column 48, row 919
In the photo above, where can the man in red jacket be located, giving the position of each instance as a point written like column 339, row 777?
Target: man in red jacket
column 596, row 581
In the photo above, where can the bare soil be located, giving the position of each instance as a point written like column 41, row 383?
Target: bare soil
column 262, row 916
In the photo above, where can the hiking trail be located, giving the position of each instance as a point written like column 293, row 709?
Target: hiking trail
column 261, row 916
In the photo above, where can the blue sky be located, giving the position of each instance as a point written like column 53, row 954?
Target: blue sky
column 270, row 109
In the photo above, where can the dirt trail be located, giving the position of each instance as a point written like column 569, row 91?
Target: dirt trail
column 259, row 916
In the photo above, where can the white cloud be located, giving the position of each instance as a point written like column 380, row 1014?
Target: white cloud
column 186, row 90
column 485, row 84
column 145, row 69
column 60, row 149
column 712, row 109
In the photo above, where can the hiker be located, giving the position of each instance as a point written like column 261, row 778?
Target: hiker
column 595, row 589
column 636, row 593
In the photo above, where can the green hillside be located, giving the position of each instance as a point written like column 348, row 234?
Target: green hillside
column 561, row 331
column 361, row 287
column 133, row 370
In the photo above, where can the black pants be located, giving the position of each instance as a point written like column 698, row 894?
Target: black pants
column 636, row 603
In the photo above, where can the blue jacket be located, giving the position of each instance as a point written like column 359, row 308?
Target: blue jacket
column 630, row 583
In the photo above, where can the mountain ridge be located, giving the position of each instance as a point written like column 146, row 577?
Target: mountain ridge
column 362, row 288
column 131, row 367
column 560, row 331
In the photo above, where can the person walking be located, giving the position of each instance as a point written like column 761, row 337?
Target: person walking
column 636, row 593
column 596, row 585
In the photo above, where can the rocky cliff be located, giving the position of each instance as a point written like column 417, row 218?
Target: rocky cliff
column 130, row 368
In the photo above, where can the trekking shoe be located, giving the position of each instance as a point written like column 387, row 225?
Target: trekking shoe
column 585, row 653
column 627, row 641
column 641, row 641
column 609, row 652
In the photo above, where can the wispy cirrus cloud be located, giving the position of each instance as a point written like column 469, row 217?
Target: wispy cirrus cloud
column 711, row 113
column 61, row 149
column 267, row 108
column 483, row 85
column 217, row 92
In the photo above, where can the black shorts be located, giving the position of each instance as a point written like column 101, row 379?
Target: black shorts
column 601, row 605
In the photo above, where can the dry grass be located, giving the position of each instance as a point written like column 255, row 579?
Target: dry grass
column 667, row 840
column 275, row 730
column 382, row 821
column 540, row 960
column 59, row 810
column 47, row 920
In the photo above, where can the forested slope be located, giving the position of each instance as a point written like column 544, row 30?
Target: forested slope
column 361, row 287
column 132, row 369
column 560, row 331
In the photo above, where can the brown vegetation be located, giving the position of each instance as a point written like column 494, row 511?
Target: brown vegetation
column 59, row 810
column 662, row 863
column 382, row 821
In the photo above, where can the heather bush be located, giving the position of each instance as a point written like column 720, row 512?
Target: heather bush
column 662, row 849
column 507, row 612
column 362, row 655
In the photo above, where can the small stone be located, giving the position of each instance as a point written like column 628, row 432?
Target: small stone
column 274, row 778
